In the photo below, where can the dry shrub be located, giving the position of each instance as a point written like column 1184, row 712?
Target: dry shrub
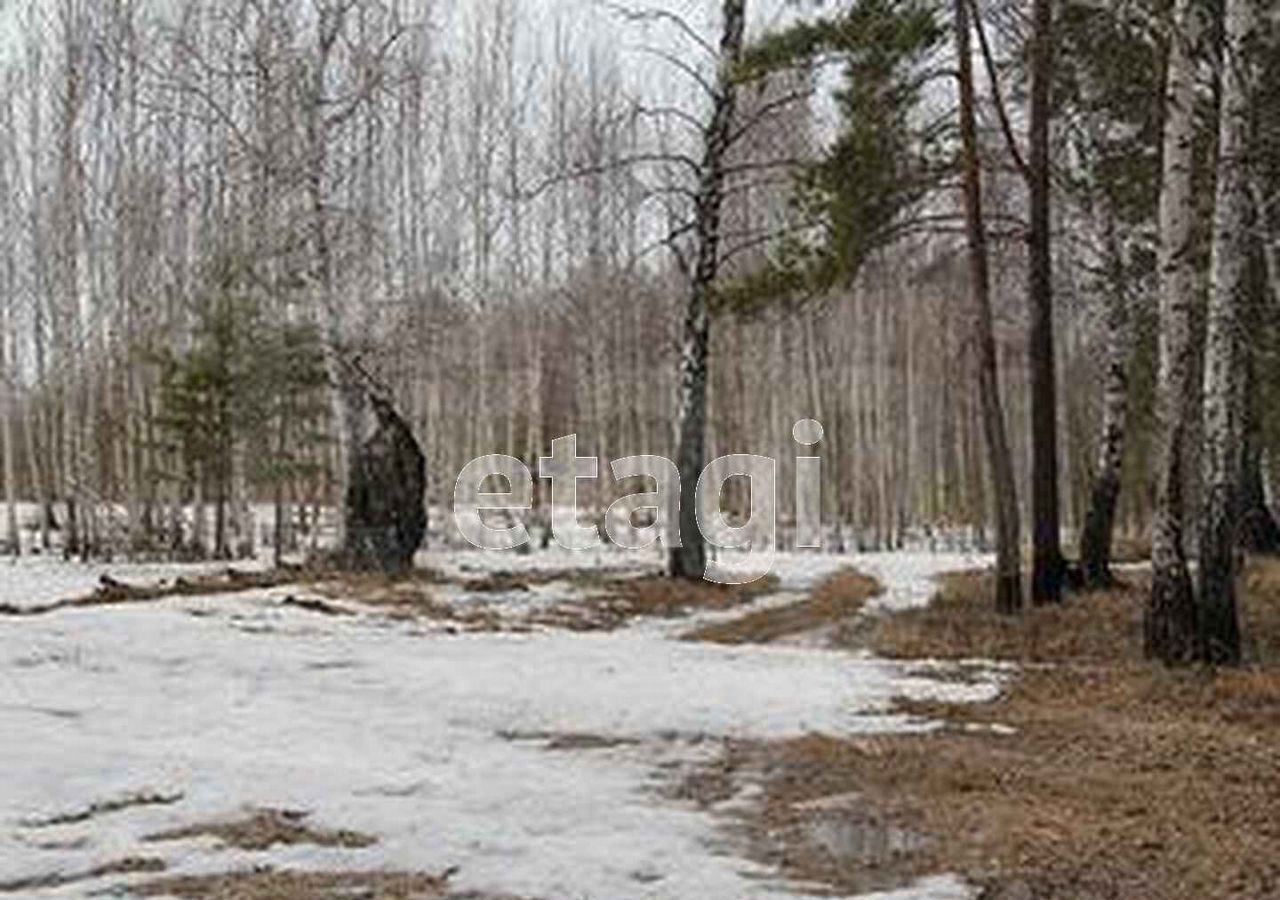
column 834, row 602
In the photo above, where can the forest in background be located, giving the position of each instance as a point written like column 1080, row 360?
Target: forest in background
column 490, row 209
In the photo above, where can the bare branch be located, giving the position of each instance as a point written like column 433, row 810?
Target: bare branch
column 996, row 98
column 650, row 14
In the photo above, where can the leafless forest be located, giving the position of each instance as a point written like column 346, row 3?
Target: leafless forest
column 216, row 210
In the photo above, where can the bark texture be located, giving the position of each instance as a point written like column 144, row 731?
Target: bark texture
column 689, row 559
column 1170, row 622
column 1046, row 561
column 1104, row 492
column 1224, row 349
column 1008, row 565
column 1259, row 532
column 385, row 512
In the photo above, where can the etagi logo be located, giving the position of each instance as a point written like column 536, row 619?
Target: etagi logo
column 752, row 545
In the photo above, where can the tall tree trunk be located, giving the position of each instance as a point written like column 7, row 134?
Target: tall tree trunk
column 1008, row 565
column 1046, row 565
column 1224, row 348
column 1170, row 624
column 689, row 559
column 7, row 445
column 1259, row 532
column 1099, row 523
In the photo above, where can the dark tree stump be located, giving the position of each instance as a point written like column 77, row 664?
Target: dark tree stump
column 386, row 518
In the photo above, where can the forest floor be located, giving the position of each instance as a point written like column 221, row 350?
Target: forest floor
column 509, row 726
column 555, row 727
column 1093, row 775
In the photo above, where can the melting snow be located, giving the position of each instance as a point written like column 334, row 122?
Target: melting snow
column 373, row 725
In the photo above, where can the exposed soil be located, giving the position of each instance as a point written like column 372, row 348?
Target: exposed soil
column 625, row 599
column 831, row 605
column 111, row 591
column 594, row 601
column 265, row 828
column 267, row 884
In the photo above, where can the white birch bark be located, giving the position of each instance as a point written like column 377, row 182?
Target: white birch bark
column 1219, row 630
column 1170, row 619
column 689, row 560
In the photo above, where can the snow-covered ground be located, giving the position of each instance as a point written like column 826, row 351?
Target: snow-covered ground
column 434, row 743
column 39, row 580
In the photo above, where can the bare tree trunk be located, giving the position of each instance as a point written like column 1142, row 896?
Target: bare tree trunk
column 1259, row 532
column 1099, row 524
column 1170, row 624
column 7, row 445
column 689, row 559
column 1219, row 627
column 1008, row 565
column 1046, row 562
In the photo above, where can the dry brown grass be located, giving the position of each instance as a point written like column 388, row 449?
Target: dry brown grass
column 596, row 602
column 1126, row 549
column 812, row 820
column 264, row 828
column 1260, row 611
column 286, row 885
column 1101, row 626
column 1121, row 780
column 832, row 603
column 658, row 596
column 961, row 622
column 410, row 595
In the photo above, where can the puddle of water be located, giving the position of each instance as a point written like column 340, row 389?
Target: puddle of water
column 860, row 842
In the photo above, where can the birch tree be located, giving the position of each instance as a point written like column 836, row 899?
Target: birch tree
column 689, row 559
column 1170, row 622
column 1219, row 629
